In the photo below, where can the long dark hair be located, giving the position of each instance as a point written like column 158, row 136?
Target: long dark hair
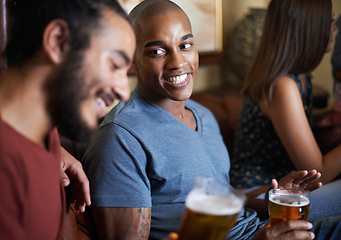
column 30, row 17
column 295, row 38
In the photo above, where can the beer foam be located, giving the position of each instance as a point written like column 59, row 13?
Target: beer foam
column 214, row 205
column 290, row 199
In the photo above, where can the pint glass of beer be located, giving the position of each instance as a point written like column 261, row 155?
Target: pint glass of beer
column 288, row 204
column 211, row 210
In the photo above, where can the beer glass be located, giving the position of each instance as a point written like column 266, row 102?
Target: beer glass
column 288, row 204
column 211, row 210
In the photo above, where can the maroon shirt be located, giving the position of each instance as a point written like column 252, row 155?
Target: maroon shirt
column 31, row 195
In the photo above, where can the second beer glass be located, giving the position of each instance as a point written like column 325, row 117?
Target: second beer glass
column 288, row 204
column 211, row 211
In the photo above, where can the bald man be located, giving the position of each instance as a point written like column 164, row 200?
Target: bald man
column 149, row 150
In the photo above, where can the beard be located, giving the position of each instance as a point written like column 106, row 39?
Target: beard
column 66, row 94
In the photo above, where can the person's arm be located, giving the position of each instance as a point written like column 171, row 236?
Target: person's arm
column 258, row 204
column 121, row 223
column 115, row 163
column 72, row 173
column 288, row 117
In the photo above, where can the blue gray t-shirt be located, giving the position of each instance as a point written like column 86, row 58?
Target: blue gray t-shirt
column 144, row 157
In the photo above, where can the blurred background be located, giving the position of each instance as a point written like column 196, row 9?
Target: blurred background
column 241, row 28
column 227, row 34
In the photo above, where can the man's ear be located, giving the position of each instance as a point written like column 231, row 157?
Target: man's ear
column 55, row 39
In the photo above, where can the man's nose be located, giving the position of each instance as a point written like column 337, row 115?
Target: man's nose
column 175, row 60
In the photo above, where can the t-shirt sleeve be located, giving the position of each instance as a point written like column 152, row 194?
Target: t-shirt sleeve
column 115, row 164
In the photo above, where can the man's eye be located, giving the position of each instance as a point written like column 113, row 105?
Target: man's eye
column 186, row 46
column 156, row 52
column 114, row 66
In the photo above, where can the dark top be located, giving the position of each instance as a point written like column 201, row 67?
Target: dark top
column 258, row 154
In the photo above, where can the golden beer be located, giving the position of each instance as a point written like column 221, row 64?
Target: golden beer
column 286, row 204
column 209, row 217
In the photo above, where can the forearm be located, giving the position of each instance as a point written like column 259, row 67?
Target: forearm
column 259, row 205
column 328, row 165
column 305, row 154
column 121, row 223
column 331, row 165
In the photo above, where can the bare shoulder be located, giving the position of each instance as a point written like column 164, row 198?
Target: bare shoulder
column 284, row 94
column 284, row 86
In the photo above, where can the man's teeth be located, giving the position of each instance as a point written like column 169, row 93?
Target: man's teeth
column 101, row 102
column 177, row 79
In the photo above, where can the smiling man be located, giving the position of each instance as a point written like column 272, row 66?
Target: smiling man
column 138, row 163
column 67, row 59
column 149, row 150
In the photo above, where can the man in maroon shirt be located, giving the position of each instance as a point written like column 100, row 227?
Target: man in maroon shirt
column 67, row 60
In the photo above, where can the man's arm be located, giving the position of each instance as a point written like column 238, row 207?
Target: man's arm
column 121, row 223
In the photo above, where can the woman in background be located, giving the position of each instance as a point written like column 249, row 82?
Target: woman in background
column 274, row 134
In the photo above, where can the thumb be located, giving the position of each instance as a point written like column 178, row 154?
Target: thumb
column 64, row 178
column 274, row 184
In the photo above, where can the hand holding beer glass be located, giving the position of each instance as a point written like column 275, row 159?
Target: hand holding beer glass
column 288, row 204
column 211, row 210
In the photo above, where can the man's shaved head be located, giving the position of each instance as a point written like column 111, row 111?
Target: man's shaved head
column 149, row 8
